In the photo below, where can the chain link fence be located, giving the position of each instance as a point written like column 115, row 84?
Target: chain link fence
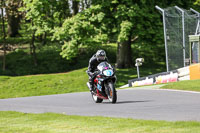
column 178, row 25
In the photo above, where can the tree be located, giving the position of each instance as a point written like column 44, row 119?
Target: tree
column 197, row 2
column 87, row 3
column 75, row 6
column 84, row 4
column 136, row 22
column 123, row 17
column 45, row 16
column 85, row 28
column 38, row 13
column 13, row 16
column 129, row 23
column 117, row 22
column 62, row 11
column 4, row 33
column 124, row 53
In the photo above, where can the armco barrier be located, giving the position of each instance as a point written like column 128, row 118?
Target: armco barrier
column 186, row 73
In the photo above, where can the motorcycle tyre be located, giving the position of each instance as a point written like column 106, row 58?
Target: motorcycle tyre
column 96, row 99
column 112, row 90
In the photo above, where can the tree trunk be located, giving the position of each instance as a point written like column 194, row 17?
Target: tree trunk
column 66, row 10
column 14, row 17
column 60, row 20
column 82, row 5
column 44, row 41
column 75, row 7
column 124, row 54
column 87, row 4
column 13, row 26
column 4, row 38
column 33, row 48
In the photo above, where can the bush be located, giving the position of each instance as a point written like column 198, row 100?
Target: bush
column 49, row 59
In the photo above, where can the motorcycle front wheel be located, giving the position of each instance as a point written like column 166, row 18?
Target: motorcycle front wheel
column 112, row 93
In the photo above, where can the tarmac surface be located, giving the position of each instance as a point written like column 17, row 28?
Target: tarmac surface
column 146, row 103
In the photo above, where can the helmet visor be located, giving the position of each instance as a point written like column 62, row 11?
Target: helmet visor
column 101, row 57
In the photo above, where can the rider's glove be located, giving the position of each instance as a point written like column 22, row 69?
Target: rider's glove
column 95, row 73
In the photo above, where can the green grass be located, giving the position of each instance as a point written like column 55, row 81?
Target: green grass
column 19, row 63
column 47, row 84
column 14, row 122
column 190, row 85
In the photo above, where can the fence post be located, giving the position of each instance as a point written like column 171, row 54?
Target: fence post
column 198, row 25
column 165, row 36
column 183, row 26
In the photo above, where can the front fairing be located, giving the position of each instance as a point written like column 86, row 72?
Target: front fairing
column 103, row 78
column 106, row 74
column 105, row 69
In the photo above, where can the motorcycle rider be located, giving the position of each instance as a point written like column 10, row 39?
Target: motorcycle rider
column 94, row 61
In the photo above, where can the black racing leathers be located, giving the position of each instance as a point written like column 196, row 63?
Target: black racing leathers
column 93, row 63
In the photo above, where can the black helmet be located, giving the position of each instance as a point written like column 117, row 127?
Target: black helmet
column 101, row 55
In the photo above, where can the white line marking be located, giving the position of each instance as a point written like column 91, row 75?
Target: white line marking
column 180, row 91
column 185, row 91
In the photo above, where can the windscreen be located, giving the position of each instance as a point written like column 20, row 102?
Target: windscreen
column 103, row 65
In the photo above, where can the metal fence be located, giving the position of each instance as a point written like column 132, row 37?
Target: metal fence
column 178, row 25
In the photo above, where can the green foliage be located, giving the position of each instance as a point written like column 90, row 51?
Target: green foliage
column 45, row 15
column 19, row 62
column 112, row 20
column 84, row 29
column 69, row 50
column 125, row 31
column 197, row 2
column 82, row 34
column 38, row 12
column 123, row 19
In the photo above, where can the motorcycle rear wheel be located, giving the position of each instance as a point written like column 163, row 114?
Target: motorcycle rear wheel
column 96, row 99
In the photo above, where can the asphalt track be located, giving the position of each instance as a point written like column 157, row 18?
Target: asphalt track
column 142, row 103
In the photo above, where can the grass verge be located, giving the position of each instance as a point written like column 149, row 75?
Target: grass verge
column 47, row 84
column 189, row 85
column 36, row 85
column 57, row 123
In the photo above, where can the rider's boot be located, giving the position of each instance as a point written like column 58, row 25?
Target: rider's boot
column 91, row 87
